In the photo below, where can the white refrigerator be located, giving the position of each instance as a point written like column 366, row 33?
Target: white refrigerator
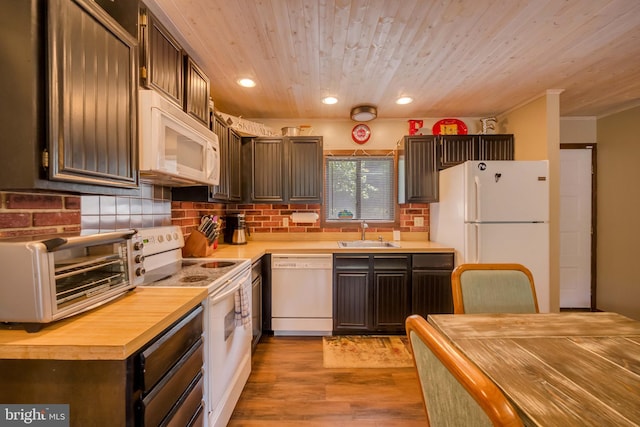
column 496, row 212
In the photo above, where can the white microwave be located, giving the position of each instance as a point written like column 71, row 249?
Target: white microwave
column 175, row 149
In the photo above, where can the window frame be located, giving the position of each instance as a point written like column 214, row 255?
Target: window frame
column 355, row 223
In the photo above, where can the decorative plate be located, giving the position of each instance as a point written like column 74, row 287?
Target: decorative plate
column 449, row 127
column 360, row 133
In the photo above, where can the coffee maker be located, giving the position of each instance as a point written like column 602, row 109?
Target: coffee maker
column 234, row 229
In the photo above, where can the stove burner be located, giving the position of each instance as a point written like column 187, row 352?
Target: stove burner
column 193, row 279
column 217, row 264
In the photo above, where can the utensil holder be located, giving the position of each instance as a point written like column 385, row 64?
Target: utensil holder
column 196, row 246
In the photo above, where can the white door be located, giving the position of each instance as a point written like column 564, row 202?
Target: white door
column 522, row 243
column 575, row 228
column 507, row 191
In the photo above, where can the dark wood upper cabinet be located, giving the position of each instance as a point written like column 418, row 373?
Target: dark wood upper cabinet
column 417, row 156
column 69, row 98
column 420, row 157
column 266, row 172
column 305, row 180
column 496, row 147
column 196, row 92
column 456, row 149
column 221, row 191
column 162, row 63
column 230, row 188
column 92, row 101
column 234, row 168
column 167, row 68
column 282, row 169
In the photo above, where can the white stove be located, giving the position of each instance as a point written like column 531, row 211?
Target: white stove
column 165, row 267
column 228, row 331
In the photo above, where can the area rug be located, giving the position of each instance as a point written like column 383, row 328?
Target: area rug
column 351, row 351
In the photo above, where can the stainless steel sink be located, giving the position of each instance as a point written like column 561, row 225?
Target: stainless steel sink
column 367, row 244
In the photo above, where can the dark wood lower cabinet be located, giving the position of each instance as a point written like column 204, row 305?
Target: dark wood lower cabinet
column 391, row 306
column 351, row 293
column 431, row 293
column 97, row 391
column 431, row 284
column 352, row 301
column 375, row 293
column 370, row 293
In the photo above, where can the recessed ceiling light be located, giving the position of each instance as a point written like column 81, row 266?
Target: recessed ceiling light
column 329, row 100
column 404, row 100
column 245, row 82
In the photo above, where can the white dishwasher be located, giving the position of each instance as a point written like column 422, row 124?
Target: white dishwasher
column 301, row 294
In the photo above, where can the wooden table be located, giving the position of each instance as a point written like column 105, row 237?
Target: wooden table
column 558, row 369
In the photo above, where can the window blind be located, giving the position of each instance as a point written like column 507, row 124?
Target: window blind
column 359, row 188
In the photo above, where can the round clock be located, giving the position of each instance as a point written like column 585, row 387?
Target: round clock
column 360, row 133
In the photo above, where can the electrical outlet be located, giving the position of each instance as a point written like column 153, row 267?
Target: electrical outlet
column 285, row 222
column 418, row 221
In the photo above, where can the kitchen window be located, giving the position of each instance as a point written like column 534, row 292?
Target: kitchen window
column 359, row 188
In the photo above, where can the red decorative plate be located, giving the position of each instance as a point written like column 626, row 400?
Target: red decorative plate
column 449, row 127
column 360, row 133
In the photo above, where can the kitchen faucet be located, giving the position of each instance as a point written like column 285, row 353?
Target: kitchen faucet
column 364, row 226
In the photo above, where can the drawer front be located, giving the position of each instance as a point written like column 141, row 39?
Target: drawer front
column 198, row 419
column 351, row 262
column 187, row 408
column 390, row 262
column 165, row 396
column 442, row 261
column 158, row 358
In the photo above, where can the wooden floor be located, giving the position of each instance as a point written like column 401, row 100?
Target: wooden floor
column 289, row 387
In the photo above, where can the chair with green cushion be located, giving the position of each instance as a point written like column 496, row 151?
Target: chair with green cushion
column 493, row 288
column 455, row 391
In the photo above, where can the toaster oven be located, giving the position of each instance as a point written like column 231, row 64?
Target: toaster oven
column 47, row 280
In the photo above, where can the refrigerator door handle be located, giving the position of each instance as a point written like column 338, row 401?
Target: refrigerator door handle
column 476, row 230
column 476, row 190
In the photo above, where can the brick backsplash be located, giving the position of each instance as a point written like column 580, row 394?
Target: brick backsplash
column 187, row 215
column 267, row 218
column 35, row 214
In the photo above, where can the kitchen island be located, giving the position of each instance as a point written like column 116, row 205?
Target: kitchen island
column 142, row 350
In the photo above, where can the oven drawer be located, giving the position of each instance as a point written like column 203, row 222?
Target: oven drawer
column 156, row 405
column 189, row 405
column 158, row 358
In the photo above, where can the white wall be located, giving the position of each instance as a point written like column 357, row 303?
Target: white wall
column 578, row 130
column 618, row 281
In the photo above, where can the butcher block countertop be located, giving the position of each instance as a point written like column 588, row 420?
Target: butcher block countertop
column 113, row 331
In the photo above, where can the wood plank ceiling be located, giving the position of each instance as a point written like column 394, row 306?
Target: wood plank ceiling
column 472, row 58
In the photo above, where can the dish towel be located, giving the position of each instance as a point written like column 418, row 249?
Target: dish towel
column 243, row 316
